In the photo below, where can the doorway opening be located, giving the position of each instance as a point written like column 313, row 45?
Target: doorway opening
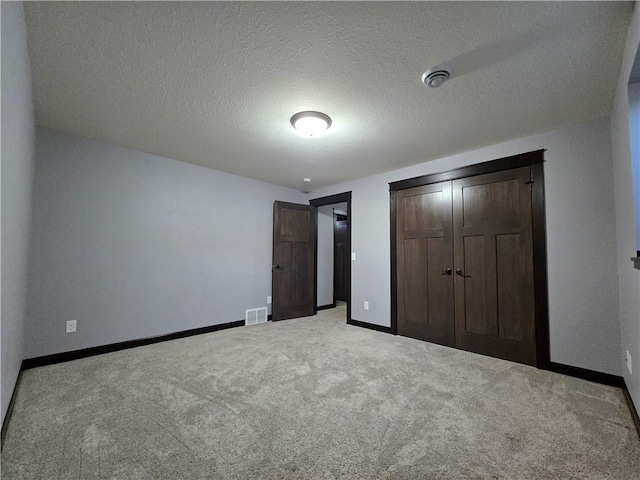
column 332, row 283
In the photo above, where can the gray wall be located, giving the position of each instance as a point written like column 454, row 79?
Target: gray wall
column 133, row 245
column 17, row 176
column 583, row 292
column 325, row 255
column 628, row 277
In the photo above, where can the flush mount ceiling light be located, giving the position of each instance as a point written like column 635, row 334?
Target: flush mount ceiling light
column 311, row 124
column 436, row 76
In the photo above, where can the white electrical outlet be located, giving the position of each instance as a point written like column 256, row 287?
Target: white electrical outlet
column 269, row 300
column 353, row 255
column 71, row 326
column 629, row 362
column 366, row 305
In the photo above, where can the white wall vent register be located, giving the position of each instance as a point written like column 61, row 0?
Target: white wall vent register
column 255, row 315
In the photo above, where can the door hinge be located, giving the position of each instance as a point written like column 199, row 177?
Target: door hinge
column 529, row 182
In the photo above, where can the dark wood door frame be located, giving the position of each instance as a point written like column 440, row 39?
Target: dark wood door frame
column 534, row 159
column 330, row 200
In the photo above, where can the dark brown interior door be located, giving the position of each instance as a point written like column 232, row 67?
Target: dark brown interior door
column 424, row 263
column 340, row 257
column 494, row 306
column 293, row 260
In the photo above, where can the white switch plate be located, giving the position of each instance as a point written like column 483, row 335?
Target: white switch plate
column 269, row 300
column 353, row 255
column 366, row 305
column 629, row 362
column 71, row 326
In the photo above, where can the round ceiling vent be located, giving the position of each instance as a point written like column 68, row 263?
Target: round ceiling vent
column 436, row 76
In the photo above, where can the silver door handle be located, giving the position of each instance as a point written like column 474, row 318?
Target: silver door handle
column 460, row 272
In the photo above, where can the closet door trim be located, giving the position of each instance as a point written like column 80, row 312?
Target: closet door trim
column 535, row 159
column 506, row 163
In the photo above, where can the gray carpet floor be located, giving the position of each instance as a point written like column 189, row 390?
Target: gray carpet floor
column 313, row 398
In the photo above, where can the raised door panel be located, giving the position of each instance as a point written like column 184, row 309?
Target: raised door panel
column 515, row 298
column 479, row 312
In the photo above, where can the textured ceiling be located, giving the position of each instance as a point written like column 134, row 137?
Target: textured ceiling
column 215, row 84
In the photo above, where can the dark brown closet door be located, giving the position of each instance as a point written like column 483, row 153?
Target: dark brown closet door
column 424, row 253
column 494, row 306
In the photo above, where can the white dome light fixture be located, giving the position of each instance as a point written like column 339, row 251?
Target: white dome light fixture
column 311, row 124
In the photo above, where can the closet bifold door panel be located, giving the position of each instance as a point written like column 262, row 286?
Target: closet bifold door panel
column 494, row 288
column 424, row 263
column 468, row 259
